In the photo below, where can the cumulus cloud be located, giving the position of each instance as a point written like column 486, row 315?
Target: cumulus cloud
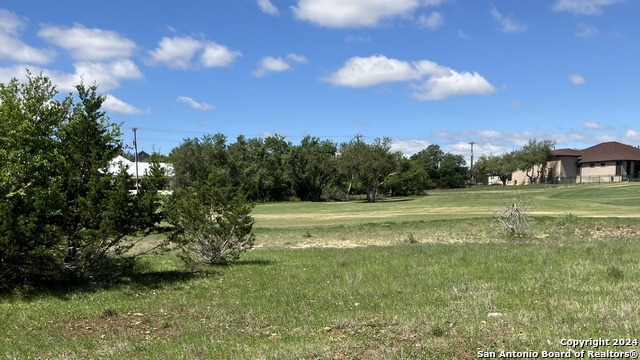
column 214, row 55
column 88, row 44
column 507, row 24
column 113, row 104
column 587, row 7
column 359, row 13
column 594, row 125
column 453, row 84
column 15, row 49
column 107, row 75
column 432, row 21
column 576, row 79
column 194, row 104
column 439, row 82
column 271, row 64
column 373, row 70
column 178, row 52
column 267, row 7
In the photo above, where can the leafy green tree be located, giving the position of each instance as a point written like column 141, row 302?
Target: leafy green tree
column 62, row 214
column 452, row 172
column 429, row 159
column 410, row 179
column 194, row 160
column 370, row 164
column 31, row 183
column 352, row 161
column 502, row 166
column 313, row 165
column 533, row 158
column 208, row 212
column 446, row 170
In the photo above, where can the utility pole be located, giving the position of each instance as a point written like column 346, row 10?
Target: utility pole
column 471, row 169
column 135, row 147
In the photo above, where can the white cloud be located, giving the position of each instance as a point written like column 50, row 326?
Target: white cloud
column 432, row 21
column 507, row 24
column 463, row 35
column 587, row 7
column 13, row 48
column 409, row 147
column 113, row 104
column 373, row 70
column 88, row 44
column 215, row 55
column 296, row 58
column 107, row 75
column 576, row 79
column 177, row 53
column 441, row 82
column 587, row 30
column 194, row 104
column 355, row 13
column 632, row 136
column 453, row 84
column 10, row 23
column 594, row 125
column 271, row 64
column 267, row 7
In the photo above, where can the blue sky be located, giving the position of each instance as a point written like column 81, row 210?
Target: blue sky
column 422, row 72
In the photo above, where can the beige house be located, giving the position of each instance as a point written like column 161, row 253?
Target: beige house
column 606, row 162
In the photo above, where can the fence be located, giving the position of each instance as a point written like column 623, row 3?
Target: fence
column 590, row 179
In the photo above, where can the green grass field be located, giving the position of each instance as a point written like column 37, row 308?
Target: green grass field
column 438, row 284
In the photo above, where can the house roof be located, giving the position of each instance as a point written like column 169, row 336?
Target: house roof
column 609, row 151
column 567, row 152
column 130, row 166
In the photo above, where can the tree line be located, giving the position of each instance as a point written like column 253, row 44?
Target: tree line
column 274, row 169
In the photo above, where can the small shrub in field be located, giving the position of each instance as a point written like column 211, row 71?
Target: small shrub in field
column 411, row 239
column 210, row 225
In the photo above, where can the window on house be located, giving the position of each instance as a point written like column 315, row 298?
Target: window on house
column 592, row 165
column 602, row 164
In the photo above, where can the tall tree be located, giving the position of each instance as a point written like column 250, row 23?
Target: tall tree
column 502, row 166
column 429, row 159
column 195, row 159
column 313, row 165
column 452, row 172
column 410, row 179
column 533, row 158
column 369, row 164
column 62, row 213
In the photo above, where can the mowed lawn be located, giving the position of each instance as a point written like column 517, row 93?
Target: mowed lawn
column 439, row 284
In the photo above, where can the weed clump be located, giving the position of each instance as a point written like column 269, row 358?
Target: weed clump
column 512, row 220
column 615, row 272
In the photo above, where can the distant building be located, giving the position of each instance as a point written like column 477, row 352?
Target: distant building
column 606, row 162
column 130, row 165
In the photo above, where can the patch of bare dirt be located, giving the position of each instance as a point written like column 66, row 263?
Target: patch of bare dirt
column 112, row 324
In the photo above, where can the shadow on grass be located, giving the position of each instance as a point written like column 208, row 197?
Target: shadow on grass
column 122, row 274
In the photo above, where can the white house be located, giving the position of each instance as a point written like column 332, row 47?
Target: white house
column 130, row 166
